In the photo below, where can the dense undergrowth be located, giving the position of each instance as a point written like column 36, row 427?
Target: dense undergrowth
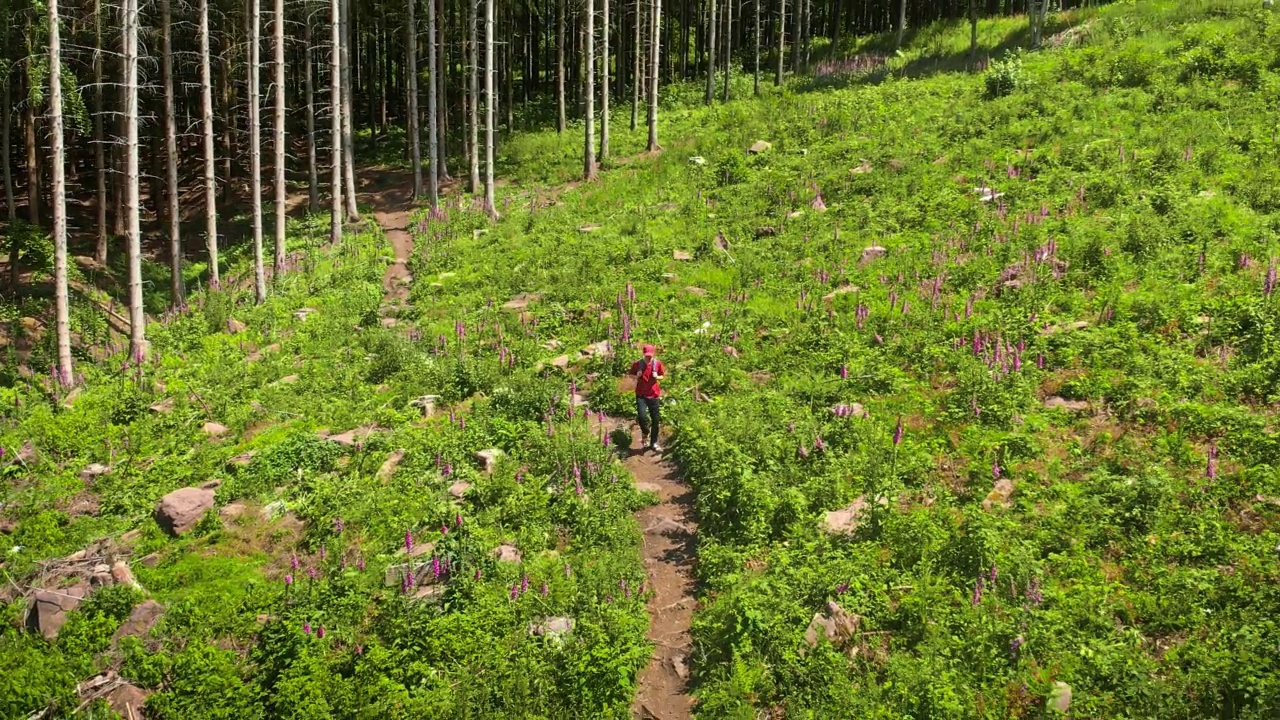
column 1022, row 322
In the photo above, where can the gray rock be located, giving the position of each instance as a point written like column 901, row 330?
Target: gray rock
column 93, row 472
column 507, row 553
column 122, row 575
column 1060, row 697
column 759, row 146
column 179, row 511
column 488, row 459
column 234, row 326
column 552, row 628
column 459, row 489
column 426, row 404
column 873, row 252
column 390, row 464
column 214, row 430
column 846, row 520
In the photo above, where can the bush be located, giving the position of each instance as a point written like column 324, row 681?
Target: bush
column 1005, row 76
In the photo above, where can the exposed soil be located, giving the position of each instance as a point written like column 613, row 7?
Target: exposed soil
column 390, row 192
column 669, row 552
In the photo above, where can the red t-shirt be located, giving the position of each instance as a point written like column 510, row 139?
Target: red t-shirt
column 646, row 381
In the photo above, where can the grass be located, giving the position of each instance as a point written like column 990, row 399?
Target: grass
column 1082, row 369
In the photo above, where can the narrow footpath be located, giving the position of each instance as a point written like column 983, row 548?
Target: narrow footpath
column 669, row 550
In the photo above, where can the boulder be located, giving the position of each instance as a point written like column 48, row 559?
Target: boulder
column 426, row 404
column 459, row 489
column 163, row 407
column 600, row 349
column 561, row 362
column 390, row 464
column 873, row 252
column 759, row 146
column 49, row 608
column 1057, row 403
column 214, row 430
column 507, row 553
column 351, row 438
column 122, row 575
column 999, row 495
column 302, row 313
column 589, row 228
column 837, row 625
column 488, row 459
column 231, row 511
column 287, row 380
column 553, row 628
column 1059, row 697
column 93, row 472
column 428, row 593
column 27, row 453
column 696, row 291
column 234, row 326
column 521, row 301
column 681, row 255
column 179, row 511
column 846, row 520
column 144, row 617
column 242, row 459
column 127, row 700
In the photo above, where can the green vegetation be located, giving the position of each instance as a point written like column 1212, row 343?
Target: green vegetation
column 1021, row 323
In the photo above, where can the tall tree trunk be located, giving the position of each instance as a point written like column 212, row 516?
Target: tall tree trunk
column 171, row 158
column 99, row 155
column 796, row 17
column 66, row 373
column 255, row 149
column 656, row 44
column 281, row 149
column 589, row 93
column 335, row 113
column 902, row 22
column 473, row 101
column 415, row 149
column 759, row 39
column 604, row 85
column 227, row 92
column 210, row 161
column 441, row 132
column 973, row 33
column 808, row 36
column 33, row 161
column 133, row 231
column 728, row 45
column 313, row 173
column 560, row 116
column 489, row 198
column 433, row 127
column 710, row 94
column 348, row 135
column 635, row 71
column 782, row 40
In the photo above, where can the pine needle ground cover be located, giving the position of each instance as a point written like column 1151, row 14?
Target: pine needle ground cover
column 973, row 376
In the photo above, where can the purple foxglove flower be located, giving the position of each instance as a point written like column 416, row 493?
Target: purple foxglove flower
column 311, row 573
column 844, row 372
column 818, row 444
column 993, row 576
column 477, row 575
column 804, row 451
column 323, row 552
column 293, row 562
column 444, row 529
column 359, row 649
column 435, row 566
column 1211, row 468
column 1014, row 646
column 338, row 526
column 1033, row 592
column 897, row 433
column 977, row 591
column 842, row 588
column 306, row 627
column 545, row 590
column 524, row 583
column 288, row 579
column 995, row 470
column 320, row 632
column 408, row 541
column 515, row 592
column 457, row 520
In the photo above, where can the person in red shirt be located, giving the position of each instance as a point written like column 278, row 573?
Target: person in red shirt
column 648, row 371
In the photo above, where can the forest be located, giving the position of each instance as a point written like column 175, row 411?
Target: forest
column 317, row 320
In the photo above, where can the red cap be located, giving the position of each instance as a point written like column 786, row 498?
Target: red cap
column 649, row 350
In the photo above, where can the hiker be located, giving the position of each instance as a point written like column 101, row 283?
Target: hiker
column 648, row 371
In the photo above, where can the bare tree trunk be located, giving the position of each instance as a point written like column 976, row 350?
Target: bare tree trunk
column 255, row 150
column 210, row 169
column 33, row 165
column 66, row 374
column 782, row 40
column 335, row 132
column 433, row 107
column 171, row 158
column 604, row 86
column 796, row 16
column 710, row 94
column 415, row 149
column 757, row 48
column 973, row 33
column 902, row 22
column 560, row 120
column 281, row 150
column 589, row 93
column 313, row 173
column 99, row 159
column 473, row 100
column 635, row 70
column 489, row 198
column 441, row 85
column 728, row 46
column 348, row 138
column 133, row 231
column 656, row 44
column 808, row 27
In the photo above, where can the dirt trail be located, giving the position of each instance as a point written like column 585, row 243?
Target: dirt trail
column 668, row 527
column 390, row 192
column 669, row 554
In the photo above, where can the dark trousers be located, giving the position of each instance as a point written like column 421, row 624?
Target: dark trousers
column 648, row 414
